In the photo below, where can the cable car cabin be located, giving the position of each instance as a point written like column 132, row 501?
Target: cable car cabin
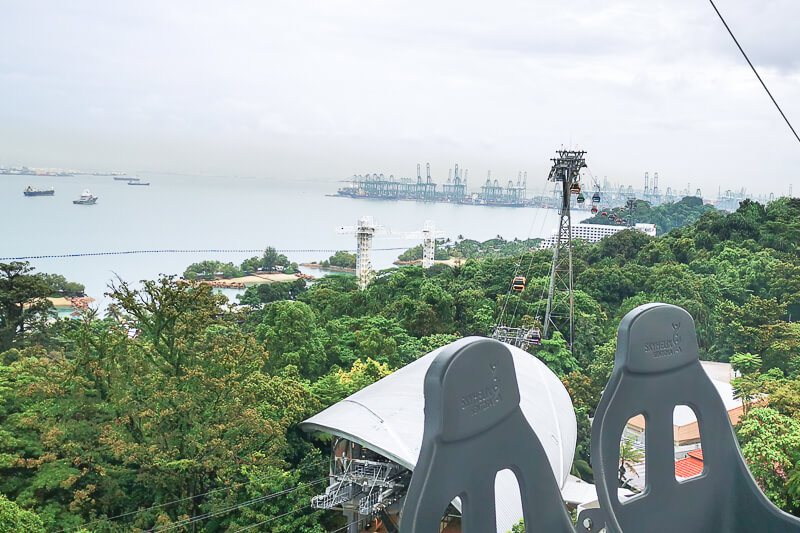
column 620, row 221
column 604, row 214
column 596, row 198
column 594, row 210
column 534, row 337
column 581, row 198
column 575, row 188
column 518, row 285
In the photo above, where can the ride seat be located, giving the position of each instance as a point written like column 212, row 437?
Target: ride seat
column 474, row 427
column 657, row 367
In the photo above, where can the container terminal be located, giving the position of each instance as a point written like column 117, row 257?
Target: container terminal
column 511, row 193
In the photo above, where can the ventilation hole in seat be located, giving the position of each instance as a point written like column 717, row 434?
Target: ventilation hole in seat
column 632, row 471
column 507, row 484
column 688, row 443
column 451, row 519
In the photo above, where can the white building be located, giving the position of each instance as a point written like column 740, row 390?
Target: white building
column 595, row 232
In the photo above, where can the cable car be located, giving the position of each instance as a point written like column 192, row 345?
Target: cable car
column 581, row 198
column 620, row 221
column 596, row 198
column 534, row 337
column 594, row 210
column 518, row 285
column 604, row 214
column 575, row 188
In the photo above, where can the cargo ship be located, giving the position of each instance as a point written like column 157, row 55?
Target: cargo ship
column 85, row 199
column 30, row 191
column 142, row 183
column 125, row 178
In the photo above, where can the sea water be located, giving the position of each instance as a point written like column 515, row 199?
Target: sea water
column 194, row 212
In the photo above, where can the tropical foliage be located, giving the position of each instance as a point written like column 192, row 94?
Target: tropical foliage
column 270, row 261
column 666, row 217
column 181, row 408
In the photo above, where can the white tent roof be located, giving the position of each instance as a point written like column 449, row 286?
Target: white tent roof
column 388, row 417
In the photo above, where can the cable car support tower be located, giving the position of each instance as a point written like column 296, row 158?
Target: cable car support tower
column 560, row 311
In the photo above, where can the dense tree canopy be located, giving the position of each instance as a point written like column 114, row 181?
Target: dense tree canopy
column 666, row 217
column 340, row 259
column 23, row 305
column 181, row 396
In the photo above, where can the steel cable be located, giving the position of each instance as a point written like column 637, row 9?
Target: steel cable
column 225, row 510
column 173, row 502
column 190, row 251
column 785, row 118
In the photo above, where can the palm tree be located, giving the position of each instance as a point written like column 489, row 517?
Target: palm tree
column 629, row 457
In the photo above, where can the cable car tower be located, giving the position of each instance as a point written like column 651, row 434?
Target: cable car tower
column 560, row 298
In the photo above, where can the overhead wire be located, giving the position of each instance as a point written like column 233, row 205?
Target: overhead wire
column 530, row 265
column 191, row 251
column 263, row 522
column 173, row 502
column 343, row 527
column 545, row 287
column 225, row 510
column 519, row 262
column 764, row 85
column 273, row 519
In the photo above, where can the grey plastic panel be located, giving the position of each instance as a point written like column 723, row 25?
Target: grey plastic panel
column 474, row 428
column 592, row 521
column 657, row 368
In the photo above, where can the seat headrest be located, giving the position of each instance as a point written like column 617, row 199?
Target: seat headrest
column 656, row 338
column 474, row 382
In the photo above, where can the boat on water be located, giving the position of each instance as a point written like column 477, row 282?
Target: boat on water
column 125, row 178
column 142, row 183
column 86, row 198
column 30, row 191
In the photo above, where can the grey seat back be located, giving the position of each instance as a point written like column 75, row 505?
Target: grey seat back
column 657, row 368
column 474, row 427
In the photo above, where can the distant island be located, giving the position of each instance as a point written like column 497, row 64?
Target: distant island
column 34, row 171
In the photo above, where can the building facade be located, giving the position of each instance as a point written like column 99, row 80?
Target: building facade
column 595, row 232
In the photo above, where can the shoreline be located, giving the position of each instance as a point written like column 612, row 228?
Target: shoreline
column 243, row 282
column 329, row 267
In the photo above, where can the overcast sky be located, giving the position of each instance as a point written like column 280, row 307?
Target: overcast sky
column 321, row 90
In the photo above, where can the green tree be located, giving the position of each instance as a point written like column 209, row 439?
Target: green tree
column 746, row 363
column 124, row 422
column 555, row 354
column 16, row 520
column 272, row 259
column 771, row 445
column 264, row 293
column 208, row 270
column 342, row 259
column 290, row 336
column 339, row 384
column 23, row 305
column 630, row 458
column 61, row 287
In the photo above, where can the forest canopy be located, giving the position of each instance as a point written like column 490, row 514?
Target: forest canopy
column 180, row 405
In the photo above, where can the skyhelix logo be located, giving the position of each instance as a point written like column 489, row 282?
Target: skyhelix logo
column 666, row 347
column 484, row 399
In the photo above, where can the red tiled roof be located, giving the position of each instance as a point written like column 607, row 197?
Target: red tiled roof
column 690, row 466
column 697, row 454
column 690, row 432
